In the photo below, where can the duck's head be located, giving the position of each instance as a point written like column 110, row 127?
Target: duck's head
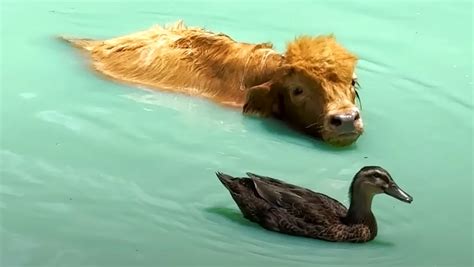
column 372, row 180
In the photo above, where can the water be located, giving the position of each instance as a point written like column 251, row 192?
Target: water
column 95, row 173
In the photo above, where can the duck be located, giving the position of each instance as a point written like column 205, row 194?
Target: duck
column 293, row 210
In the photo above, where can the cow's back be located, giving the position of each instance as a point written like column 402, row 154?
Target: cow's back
column 184, row 59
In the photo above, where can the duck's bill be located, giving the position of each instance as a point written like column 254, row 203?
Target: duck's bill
column 398, row 193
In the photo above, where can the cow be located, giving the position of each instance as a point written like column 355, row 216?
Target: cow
column 311, row 86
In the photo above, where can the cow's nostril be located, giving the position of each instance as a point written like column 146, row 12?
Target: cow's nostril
column 357, row 116
column 335, row 121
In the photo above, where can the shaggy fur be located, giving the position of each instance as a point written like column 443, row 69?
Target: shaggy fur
column 254, row 77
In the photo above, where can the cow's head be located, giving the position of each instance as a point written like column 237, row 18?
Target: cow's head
column 314, row 91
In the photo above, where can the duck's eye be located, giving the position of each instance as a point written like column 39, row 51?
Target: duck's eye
column 297, row 91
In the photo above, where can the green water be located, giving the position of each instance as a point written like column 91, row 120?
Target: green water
column 95, row 173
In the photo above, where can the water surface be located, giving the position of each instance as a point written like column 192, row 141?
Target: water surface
column 96, row 173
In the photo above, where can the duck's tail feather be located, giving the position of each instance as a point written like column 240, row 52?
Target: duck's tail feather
column 225, row 179
column 82, row 43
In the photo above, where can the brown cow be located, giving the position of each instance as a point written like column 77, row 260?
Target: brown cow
column 311, row 86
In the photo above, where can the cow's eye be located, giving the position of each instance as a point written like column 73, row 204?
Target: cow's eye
column 297, row 91
column 355, row 83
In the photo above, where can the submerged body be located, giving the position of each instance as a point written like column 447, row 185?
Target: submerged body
column 310, row 86
column 186, row 60
column 290, row 209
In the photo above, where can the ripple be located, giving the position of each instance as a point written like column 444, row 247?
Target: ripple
column 28, row 95
column 57, row 117
column 64, row 255
column 173, row 101
column 8, row 190
column 371, row 65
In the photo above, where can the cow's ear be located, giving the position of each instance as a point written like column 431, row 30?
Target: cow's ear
column 262, row 100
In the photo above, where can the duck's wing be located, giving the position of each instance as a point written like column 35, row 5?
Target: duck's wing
column 301, row 209
column 273, row 181
column 276, row 195
column 273, row 190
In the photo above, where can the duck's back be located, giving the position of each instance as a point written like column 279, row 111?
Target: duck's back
column 283, row 207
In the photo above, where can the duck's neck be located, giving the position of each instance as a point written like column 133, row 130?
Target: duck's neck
column 360, row 211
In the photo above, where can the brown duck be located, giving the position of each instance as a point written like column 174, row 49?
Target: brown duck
column 290, row 209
